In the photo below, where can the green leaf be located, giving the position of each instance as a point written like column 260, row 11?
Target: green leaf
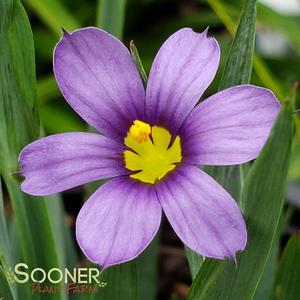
column 237, row 71
column 5, row 253
column 110, row 16
column 262, row 196
column 17, row 87
column 65, row 246
column 239, row 63
column 265, row 75
column 286, row 286
column 195, row 261
column 63, row 234
column 5, row 291
column 5, row 248
column 121, row 283
column 264, row 288
column 148, row 270
column 138, row 62
column 54, row 14
column 294, row 171
column 18, row 126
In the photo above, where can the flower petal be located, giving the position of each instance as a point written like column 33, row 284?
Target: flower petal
column 66, row 160
column 118, row 222
column 182, row 70
column 99, row 79
column 202, row 213
column 229, row 127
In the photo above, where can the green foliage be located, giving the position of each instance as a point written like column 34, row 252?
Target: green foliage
column 148, row 270
column 121, row 282
column 262, row 196
column 110, row 16
column 265, row 75
column 5, row 290
column 138, row 62
column 19, row 126
column 259, row 193
column 286, row 286
column 237, row 71
column 54, row 14
column 239, row 63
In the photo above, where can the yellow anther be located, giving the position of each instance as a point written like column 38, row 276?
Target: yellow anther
column 150, row 159
column 140, row 131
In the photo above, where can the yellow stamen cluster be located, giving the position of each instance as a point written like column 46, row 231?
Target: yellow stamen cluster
column 151, row 158
column 140, row 131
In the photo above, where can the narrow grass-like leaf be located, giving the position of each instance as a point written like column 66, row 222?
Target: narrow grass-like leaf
column 16, row 86
column 294, row 171
column 237, row 71
column 5, row 290
column 5, row 258
column 264, row 288
column 54, row 14
column 110, row 16
column 239, row 63
column 138, row 62
column 195, row 261
column 5, row 254
column 15, row 253
column 265, row 75
column 121, row 283
column 262, row 196
column 18, row 127
column 147, row 264
column 286, row 286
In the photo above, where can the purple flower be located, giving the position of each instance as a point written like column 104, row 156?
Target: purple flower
column 152, row 144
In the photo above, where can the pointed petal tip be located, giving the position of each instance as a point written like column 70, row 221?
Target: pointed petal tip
column 132, row 44
column 235, row 261
column 205, row 31
column 66, row 33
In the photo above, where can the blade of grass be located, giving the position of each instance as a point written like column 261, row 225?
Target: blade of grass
column 286, row 285
column 237, row 71
column 19, row 126
column 54, row 15
column 266, row 77
column 262, row 196
column 5, row 252
column 138, row 62
column 239, row 63
column 264, row 289
column 148, row 271
column 111, row 15
column 195, row 261
column 121, row 283
column 5, row 290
